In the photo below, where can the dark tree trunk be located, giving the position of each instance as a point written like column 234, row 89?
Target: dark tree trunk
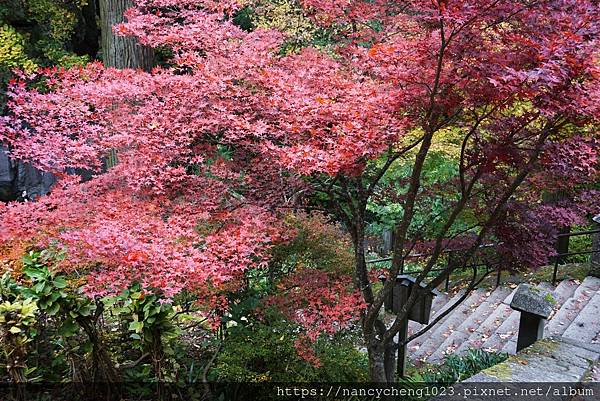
column 121, row 51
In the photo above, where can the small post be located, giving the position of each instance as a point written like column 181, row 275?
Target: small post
column 387, row 242
column 449, row 266
column 555, row 271
column 595, row 258
column 419, row 312
column 535, row 305
column 498, row 276
column 562, row 244
column 402, row 336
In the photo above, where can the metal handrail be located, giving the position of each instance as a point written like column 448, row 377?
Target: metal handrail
column 448, row 251
column 576, row 233
column 559, row 256
column 556, row 261
column 421, row 255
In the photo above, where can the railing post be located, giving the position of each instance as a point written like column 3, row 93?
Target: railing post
column 498, row 277
column 555, row 271
column 595, row 257
column 449, row 265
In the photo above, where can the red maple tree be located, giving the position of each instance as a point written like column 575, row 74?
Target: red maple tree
column 211, row 147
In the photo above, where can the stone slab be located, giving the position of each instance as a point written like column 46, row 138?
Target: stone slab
column 535, row 300
column 572, row 307
column 470, row 325
column 548, row 360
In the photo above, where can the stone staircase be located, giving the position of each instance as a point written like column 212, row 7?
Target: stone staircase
column 485, row 320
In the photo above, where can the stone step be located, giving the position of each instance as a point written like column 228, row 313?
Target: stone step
column 489, row 325
column 504, row 332
column 563, row 291
column 444, row 330
column 415, row 344
column 561, row 320
column 505, row 337
column 470, row 325
column 586, row 326
column 551, row 360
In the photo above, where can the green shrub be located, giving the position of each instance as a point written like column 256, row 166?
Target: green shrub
column 318, row 244
column 460, row 367
column 265, row 352
column 17, row 329
column 580, row 243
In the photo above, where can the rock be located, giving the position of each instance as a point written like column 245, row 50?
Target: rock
column 22, row 181
column 534, row 300
column 7, row 176
column 32, row 183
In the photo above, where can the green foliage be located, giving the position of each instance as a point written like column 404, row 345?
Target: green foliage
column 318, row 244
column 36, row 33
column 264, row 351
column 55, row 54
column 57, row 18
column 150, row 325
column 53, row 295
column 455, row 368
column 17, row 329
column 580, row 243
column 18, row 319
column 288, row 17
column 431, row 213
column 145, row 313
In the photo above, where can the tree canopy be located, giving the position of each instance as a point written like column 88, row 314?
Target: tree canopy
column 215, row 146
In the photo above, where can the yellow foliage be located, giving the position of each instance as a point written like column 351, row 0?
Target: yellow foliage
column 12, row 50
column 286, row 16
column 446, row 141
column 61, row 18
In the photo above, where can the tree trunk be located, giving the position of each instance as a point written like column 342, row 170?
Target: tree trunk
column 389, row 359
column 377, row 364
column 121, row 51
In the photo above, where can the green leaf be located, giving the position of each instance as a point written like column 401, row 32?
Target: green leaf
column 39, row 287
column 15, row 330
column 136, row 326
column 54, row 296
column 35, row 273
column 59, row 282
column 53, row 309
column 69, row 328
column 85, row 310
